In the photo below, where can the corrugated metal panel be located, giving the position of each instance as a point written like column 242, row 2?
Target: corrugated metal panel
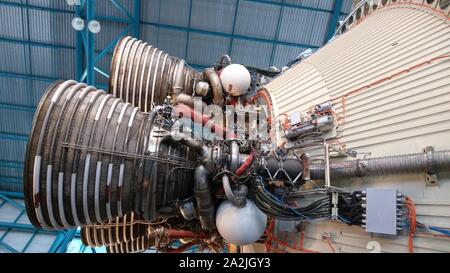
column 106, row 8
column 320, row 28
column 11, row 20
column 206, row 50
column 252, row 53
column 53, row 62
column 297, row 25
column 257, row 20
column 213, row 15
column 49, row 3
column 172, row 42
column 50, row 27
column 150, row 10
column 346, row 6
column 15, row 122
column 284, row 54
column 393, row 58
column 12, row 57
column 14, row 91
column 301, row 24
column 174, row 12
column 110, row 31
column 149, row 34
column 13, row 150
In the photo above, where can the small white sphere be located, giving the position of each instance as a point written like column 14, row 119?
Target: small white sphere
column 78, row 23
column 240, row 226
column 235, row 79
column 94, row 26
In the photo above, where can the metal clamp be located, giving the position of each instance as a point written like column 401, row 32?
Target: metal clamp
column 334, row 205
column 431, row 177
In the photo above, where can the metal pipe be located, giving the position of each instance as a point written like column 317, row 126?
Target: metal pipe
column 390, row 165
column 203, row 196
column 182, row 110
column 178, row 82
column 234, row 156
column 114, row 232
column 327, row 165
column 195, row 145
column 216, row 85
column 188, row 100
column 238, row 201
column 245, row 165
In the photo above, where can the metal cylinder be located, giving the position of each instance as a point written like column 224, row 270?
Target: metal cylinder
column 390, row 165
column 430, row 161
column 203, row 196
column 92, row 158
column 144, row 75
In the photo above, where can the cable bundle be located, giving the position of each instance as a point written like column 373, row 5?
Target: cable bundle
column 350, row 209
column 274, row 207
column 412, row 222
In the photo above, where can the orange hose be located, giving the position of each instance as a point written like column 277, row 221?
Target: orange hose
column 412, row 222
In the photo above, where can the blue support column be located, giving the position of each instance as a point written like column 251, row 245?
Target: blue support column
column 137, row 19
column 68, row 237
column 79, row 49
column 234, row 28
column 90, row 51
column 87, row 59
column 334, row 19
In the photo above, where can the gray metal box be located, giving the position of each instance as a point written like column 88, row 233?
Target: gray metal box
column 381, row 211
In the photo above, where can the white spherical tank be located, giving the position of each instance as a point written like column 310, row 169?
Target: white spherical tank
column 235, row 79
column 240, row 226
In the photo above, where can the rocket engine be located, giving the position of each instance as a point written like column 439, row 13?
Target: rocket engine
column 211, row 157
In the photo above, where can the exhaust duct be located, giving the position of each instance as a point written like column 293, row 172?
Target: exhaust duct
column 144, row 75
column 92, row 157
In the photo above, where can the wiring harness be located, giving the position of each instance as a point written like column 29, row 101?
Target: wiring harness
column 283, row 208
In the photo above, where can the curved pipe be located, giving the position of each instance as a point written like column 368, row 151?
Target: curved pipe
column 245, row 165
column 188, row 100
column 224, row 60
column 182, row 109
column 203, row 196
column 185, row 234
column 195, row 145
column 179, row 73
column 238, row 201
column 216, row 85
column 234, row 160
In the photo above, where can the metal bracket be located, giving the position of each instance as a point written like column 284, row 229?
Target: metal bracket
column 334, row 206
column 305, row 162
column 431, row 177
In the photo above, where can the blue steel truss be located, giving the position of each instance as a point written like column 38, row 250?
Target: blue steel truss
column 87, row 57
column 58, row 245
